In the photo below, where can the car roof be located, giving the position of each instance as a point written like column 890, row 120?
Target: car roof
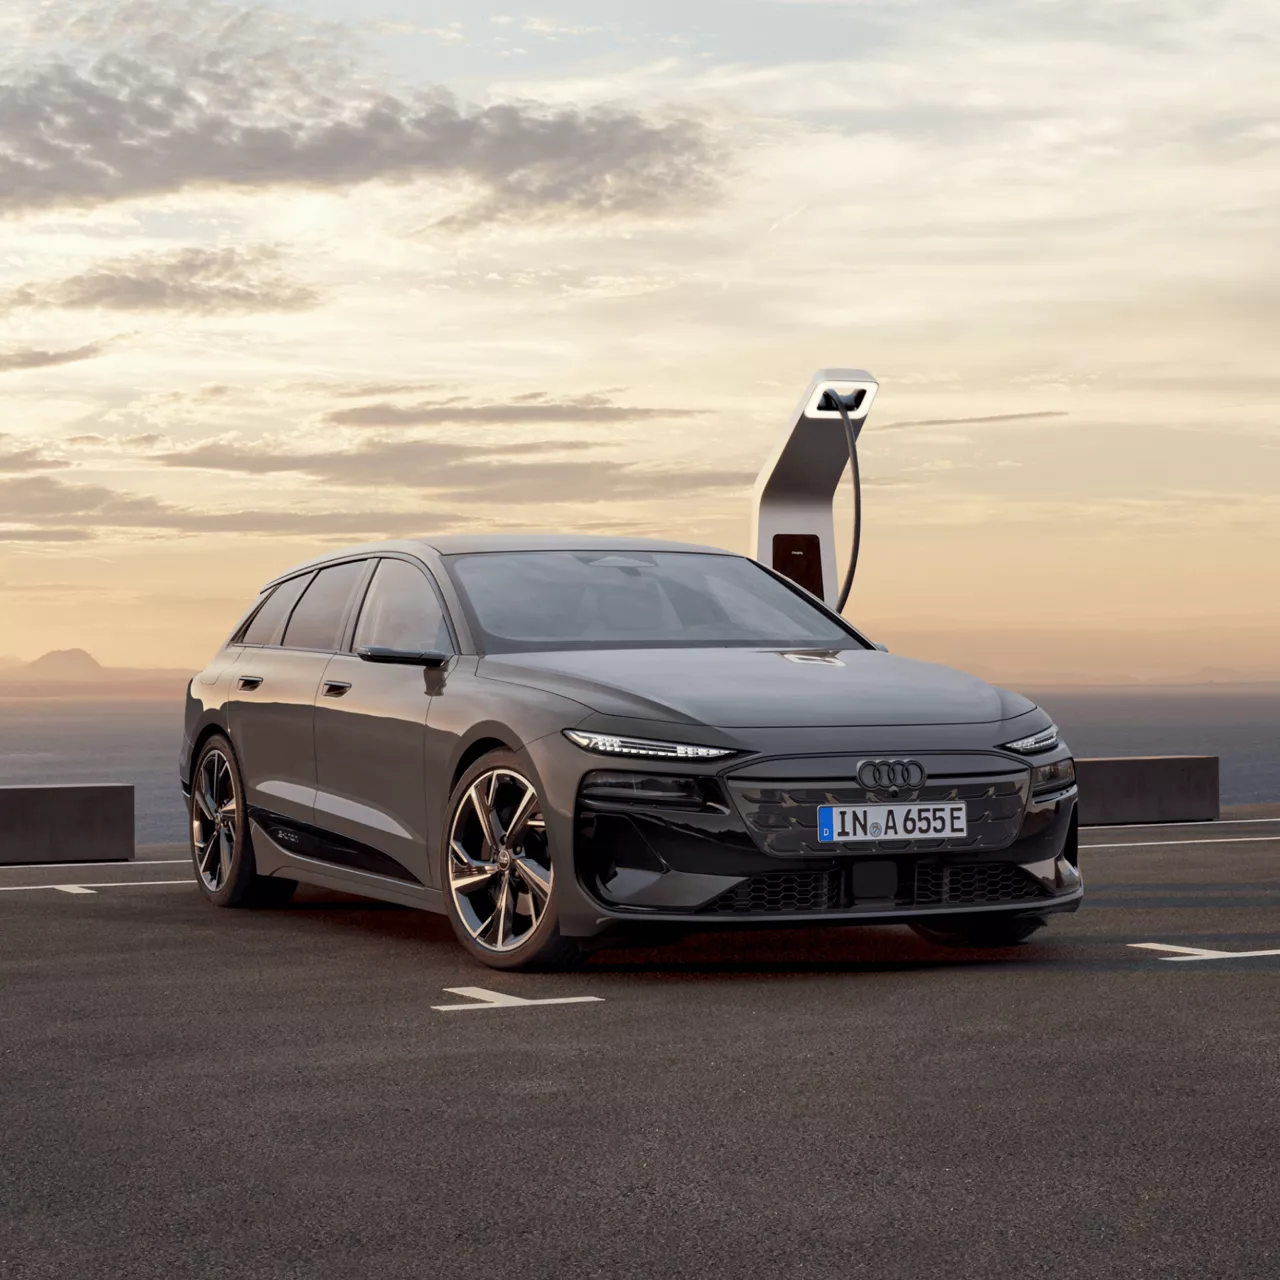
column 462, row 543
column 454, row 544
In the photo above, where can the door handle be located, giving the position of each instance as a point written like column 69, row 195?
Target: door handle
column 336, row 688
column 249, row 682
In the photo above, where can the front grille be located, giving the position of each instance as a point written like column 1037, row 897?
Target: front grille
column 782, row 816
column 780, row 893
column 941, row 885
column 920, row 883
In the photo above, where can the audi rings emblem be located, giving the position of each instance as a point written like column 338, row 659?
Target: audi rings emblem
column 874, row 774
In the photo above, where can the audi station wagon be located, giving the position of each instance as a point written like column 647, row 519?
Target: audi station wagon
column 563, row 742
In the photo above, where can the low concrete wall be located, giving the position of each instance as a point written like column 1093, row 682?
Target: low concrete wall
column 66, row 824
column 1148, row 789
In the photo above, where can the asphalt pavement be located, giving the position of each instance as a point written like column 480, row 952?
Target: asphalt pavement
column 193, row 1093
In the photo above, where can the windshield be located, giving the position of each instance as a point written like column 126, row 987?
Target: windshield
column 529, row 600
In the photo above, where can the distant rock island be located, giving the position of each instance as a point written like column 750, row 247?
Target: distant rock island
column 67, row 673
column 64, row 664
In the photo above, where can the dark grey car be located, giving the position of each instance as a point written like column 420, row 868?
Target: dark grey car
column 557, row 740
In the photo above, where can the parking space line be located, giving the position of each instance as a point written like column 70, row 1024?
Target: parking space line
column 1199, row 953
column 1162, row 844
column 1215, row 822
column 50, row 866
column 88, row 888
column 482, row 998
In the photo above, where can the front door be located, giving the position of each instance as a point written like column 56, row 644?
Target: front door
column 370, row 730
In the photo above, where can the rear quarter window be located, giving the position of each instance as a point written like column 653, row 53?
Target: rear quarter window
column 266, row 625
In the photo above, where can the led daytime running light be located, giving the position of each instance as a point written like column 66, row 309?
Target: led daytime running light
column 1045, row 740
column 610, row 744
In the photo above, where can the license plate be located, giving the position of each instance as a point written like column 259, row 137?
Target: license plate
column 838, row 823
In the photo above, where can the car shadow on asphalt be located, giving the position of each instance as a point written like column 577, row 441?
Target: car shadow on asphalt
column 836, row 949
column 726, row 951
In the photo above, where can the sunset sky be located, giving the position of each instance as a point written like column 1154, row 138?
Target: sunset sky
column 277, row 279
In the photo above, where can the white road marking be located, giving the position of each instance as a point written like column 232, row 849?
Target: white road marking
column 486, row 999
column 86, row 888
column 1160, row 844
column 1215, row 822
column 1199, row 953
column 140, row 862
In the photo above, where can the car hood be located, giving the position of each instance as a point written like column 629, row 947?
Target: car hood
column 760, row 688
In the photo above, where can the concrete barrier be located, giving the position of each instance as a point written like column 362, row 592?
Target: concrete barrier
column 66, row 824
column 1147, row 789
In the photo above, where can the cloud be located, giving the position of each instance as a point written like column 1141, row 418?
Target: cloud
column 533, row 407
column 409, row 462
column 196, row 280
column 361, row 390
column 44, row 535
column 465, row 472
column 147, row 440
column 34, row 358
column 25, row 457
column 126, row 126
column 550, row 28
column 45, row 509
column 958, row 422
column 583, row 482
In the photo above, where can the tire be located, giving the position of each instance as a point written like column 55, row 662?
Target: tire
column 496, row 870
column 221, row 848
column 982, row 935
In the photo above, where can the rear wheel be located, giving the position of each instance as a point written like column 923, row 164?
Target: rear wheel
column 221, row 850
column 498, row 879
column 981, row 934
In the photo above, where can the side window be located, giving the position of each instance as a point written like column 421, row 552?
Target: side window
column 401, row 611
column 264, row 626
column 317, row 618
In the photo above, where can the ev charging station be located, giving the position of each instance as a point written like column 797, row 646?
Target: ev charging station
column 793, row 518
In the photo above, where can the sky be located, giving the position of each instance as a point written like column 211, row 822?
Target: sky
column 281, row 278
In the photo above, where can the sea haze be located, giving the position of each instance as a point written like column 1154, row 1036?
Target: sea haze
column 1238, row 723
column 111, row 740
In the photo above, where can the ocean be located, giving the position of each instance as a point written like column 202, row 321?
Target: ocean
column 108, row 740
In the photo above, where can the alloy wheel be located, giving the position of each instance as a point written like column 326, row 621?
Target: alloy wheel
column 499, row 862
column 213, row 820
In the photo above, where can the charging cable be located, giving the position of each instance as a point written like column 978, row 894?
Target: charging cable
column 851, row 437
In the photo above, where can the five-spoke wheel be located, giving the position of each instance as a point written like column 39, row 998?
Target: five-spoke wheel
column 221, row 849
column 499, row 876
column 499, row 868
column 213, row 819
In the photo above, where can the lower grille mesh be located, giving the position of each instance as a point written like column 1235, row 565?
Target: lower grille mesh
column 935, row 885
column 780, row 893
column 980, row 882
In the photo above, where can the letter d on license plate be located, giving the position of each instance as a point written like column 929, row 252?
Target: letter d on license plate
column 840, row 823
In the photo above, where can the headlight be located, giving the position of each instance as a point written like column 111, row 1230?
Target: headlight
column 1052, row 777
column 610, row 744
column 655, row 791
column 1045, row 740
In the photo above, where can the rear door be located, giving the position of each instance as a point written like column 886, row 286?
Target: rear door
column 271, row 709
column 370, row 728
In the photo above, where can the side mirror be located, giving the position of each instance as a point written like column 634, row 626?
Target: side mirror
column 884, row 648
column 405, row 657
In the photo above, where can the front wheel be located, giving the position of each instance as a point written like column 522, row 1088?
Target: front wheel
column 498, row 879
column 981, row 935
column 221, row 850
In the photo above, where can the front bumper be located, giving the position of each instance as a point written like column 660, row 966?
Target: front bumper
column 749, row 855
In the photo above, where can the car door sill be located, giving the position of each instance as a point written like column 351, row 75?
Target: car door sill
column 341, row 867
column 310, row 843
column 325, row 875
